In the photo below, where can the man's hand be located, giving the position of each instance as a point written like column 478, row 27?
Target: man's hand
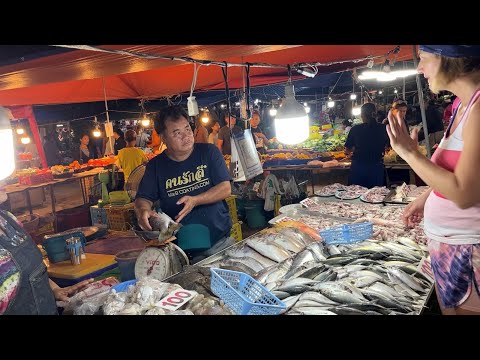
column 189, row 203
column 63, row 294
column 143, row 215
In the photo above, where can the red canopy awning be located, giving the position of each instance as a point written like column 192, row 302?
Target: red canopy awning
column 76, row 76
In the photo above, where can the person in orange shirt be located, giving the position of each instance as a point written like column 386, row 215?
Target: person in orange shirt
column 157, row 144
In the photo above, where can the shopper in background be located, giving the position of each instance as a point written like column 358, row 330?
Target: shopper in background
column 213, row 137
column 224, row 139
column 119, row 140
column 258, row 136
column 142, row 137
column 200, row 134
column 157, row 144
column 191, row 182
column 399, row 106
column 346, row 126
column 367, row 141
column 130, row 157
column 451, row 209
column 84, row 153
column 51, row 150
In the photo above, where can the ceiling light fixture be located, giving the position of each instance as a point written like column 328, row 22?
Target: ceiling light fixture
column 291, row 122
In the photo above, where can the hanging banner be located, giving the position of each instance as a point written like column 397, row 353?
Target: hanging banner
column 236, row 169
column 247, row 153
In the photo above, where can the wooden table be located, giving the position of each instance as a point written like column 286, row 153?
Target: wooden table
column 81, row 177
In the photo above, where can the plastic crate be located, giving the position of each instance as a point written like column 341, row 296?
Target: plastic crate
column 236, row 231
column 232, row 208
column 243, row 294
column 123, row 286
column 347, row 234
column 120, row 217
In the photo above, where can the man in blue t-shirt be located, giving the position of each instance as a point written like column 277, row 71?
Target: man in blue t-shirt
column 190, row 180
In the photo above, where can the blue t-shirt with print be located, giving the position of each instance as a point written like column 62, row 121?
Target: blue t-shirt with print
column 168, row 181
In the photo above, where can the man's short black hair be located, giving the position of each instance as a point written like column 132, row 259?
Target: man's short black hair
column 170, row 113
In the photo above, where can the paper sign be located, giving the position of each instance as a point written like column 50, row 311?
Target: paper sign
column 308, row 203
column 176, row 299
column 425, row 268
column 247, row 153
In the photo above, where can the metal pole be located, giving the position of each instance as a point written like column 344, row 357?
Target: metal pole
column 106, row 110
column 421, row 102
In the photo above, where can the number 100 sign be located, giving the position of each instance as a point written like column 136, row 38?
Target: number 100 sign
column 176, row 299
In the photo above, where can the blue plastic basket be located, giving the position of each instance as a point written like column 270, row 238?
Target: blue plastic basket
column 123, row 286
column 243, row 294
column 348, row 233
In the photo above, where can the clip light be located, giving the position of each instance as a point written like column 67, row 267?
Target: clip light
column 6, row 139
column 291, row 122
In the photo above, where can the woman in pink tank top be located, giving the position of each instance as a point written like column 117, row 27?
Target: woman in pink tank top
column 451, row 209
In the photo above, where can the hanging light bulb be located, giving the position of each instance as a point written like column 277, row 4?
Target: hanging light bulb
column 145, row 121
column 205, row 118
column 96, row 132
column 20, row 131
column 331, row 104
column 353, row 96
column 356, row 111
column 291, row 122
column 273, row 111
column 380, row 92
column 6, row 139
column 307, row 109
column 25, row 140
column 395, row 91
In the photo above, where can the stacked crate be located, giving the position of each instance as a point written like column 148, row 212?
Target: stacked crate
column 236, row 231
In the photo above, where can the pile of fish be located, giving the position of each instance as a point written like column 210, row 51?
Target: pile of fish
column 377, row 276
column 144, row 298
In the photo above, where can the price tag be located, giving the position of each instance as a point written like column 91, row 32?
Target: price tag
column 176, row 299
column 425, row 268
column 308, row 203
column 283, row 219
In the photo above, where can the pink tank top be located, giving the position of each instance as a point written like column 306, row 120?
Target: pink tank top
column 445, row 221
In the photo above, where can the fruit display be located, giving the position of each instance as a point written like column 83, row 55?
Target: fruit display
column 33, row 176
column 331, row 143
column 25, row 156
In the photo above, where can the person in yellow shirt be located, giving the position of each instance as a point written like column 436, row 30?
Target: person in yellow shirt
column 130, row 157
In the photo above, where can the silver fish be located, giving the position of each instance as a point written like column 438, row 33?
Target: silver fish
column 270, row 250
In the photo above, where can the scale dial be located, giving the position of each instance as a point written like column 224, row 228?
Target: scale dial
column 153, row 262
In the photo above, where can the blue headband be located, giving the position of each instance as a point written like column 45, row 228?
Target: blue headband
column 454, row 51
